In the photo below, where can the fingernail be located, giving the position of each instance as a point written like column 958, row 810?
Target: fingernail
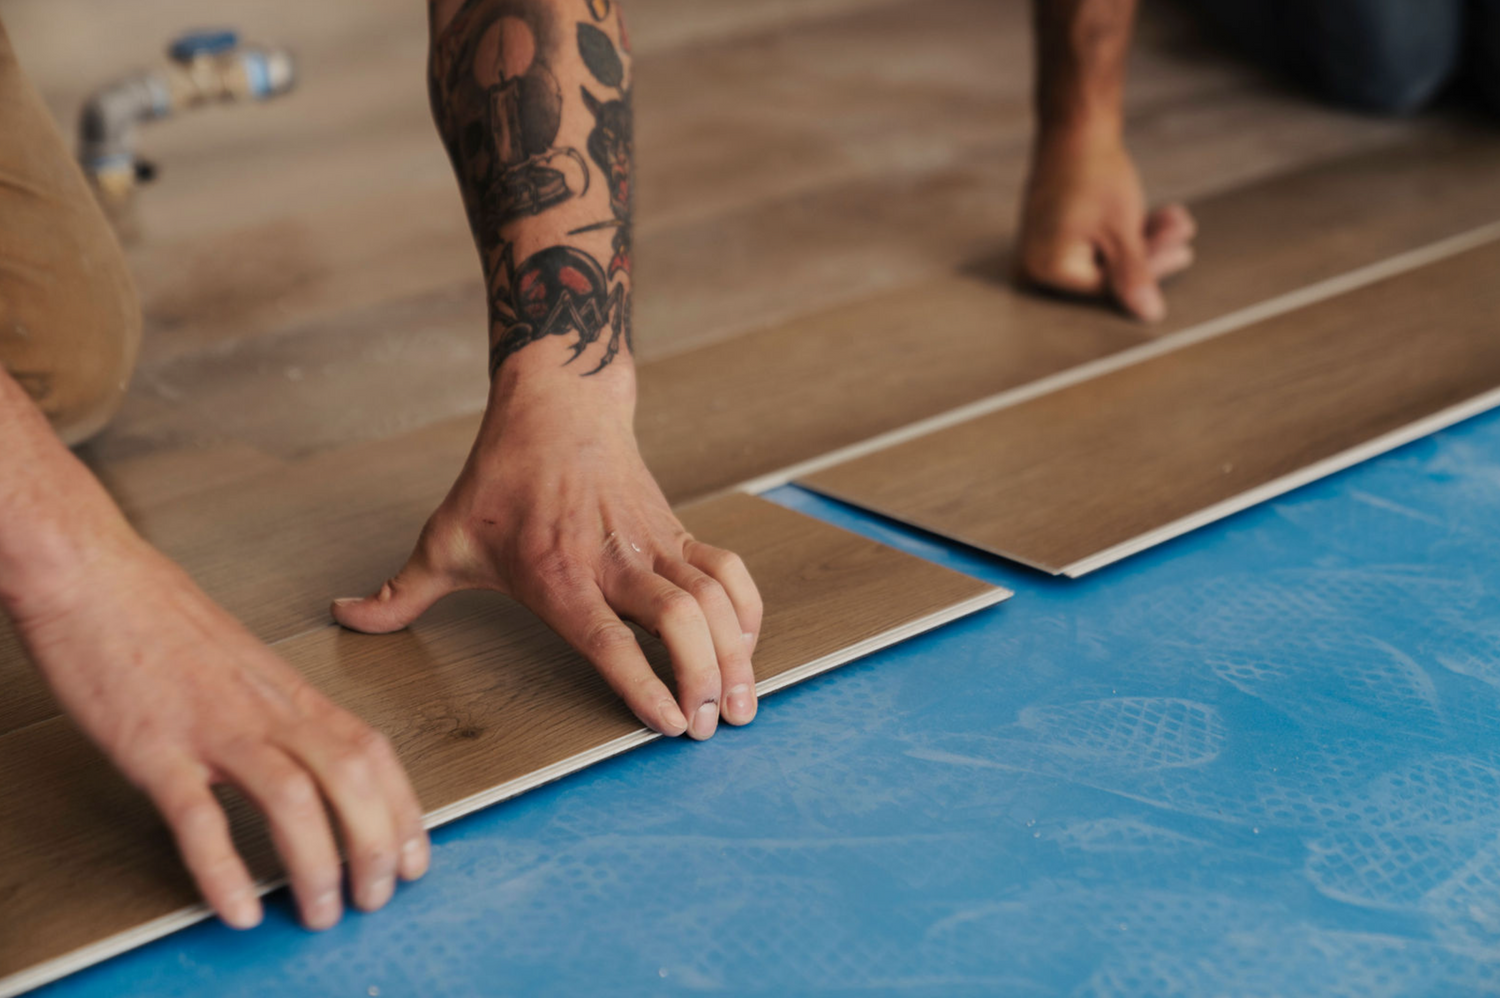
column 739, row 704
column 378, row 892
column 749, row 638
column 1152, row 306
column 672, row 721
column 243, row 910
column 324, row 912
column 345, row 600
column 706, row 720
column 414, row 858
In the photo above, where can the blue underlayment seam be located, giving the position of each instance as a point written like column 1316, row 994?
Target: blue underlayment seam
column 1262, row 759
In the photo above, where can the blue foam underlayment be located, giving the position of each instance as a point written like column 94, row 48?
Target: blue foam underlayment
column 1263, row 759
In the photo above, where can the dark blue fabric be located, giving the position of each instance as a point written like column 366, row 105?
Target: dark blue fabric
column 1386, row 56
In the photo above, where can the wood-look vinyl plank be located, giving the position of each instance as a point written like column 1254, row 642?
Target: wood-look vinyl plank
column 790, row 392
column 481, row 700
column 274, row 549
column 356, row 209
column 1076, row 478
column 390, row 368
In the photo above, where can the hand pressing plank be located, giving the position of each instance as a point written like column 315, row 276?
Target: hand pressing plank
column 1085, row 227
column 555, row 506
column 181, row 697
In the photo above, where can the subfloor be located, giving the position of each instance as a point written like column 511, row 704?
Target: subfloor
column 830, row 186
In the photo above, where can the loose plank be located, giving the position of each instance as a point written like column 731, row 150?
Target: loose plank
column 1076, row 478
column 481, row 700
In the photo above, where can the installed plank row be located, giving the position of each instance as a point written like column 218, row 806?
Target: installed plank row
column 481, row 700
column 274, row 549
column 1074, row 479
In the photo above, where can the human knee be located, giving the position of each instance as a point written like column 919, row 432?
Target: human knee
column 70, row 324
column 73, row 349
column 1388, row 56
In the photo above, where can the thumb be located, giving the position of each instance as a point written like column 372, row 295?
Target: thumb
column 399, row 602
column 1133, row 283
column 1070, row 266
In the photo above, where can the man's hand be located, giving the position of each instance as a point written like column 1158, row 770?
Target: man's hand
column 556, row 509
column 1086, row 231
column 1084, row 226
column 555, row 506
column 181, row 697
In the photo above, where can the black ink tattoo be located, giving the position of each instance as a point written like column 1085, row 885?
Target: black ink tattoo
column 495, row 94
column 558, row 292
column 610, row 144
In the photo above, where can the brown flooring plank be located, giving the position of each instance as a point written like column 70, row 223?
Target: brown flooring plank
column 360, row 209
column 274, row 549
column 797, row 389
column 1069, row 479
column 342, row 206
column 477, row 696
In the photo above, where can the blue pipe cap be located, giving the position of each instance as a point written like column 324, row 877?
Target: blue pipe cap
column 188, row 47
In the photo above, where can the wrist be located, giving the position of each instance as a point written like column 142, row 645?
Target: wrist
column 536, row 393
column 1080, row 131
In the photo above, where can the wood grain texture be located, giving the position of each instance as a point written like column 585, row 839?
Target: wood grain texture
column 847, row 371
column 1061, row 478
column 275, row 547
column 793, row 157
column 477, row 695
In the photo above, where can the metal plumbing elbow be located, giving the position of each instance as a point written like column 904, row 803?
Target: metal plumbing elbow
column 204, row 67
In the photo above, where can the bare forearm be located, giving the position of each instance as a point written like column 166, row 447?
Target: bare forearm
column 1082, row 46
column 532, row 98
column 49, row 505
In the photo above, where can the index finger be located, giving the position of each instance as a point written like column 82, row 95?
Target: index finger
column 578, row 612
column 179, row 789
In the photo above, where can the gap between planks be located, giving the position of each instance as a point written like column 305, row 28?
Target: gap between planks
column 1076, row 479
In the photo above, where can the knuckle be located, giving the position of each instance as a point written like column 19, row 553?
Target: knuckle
column 606, row 637
column 195, row 817
column 728, row 561
column 708, row 591
column 371, row 744
column 320, row 877
column 677, row 606
column 350, row 767
column 293, row 792
column 645, row 688
column 374, row 854
column 554, row 570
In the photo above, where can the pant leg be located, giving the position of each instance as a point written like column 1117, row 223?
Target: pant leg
column 1385, row 56
column 70, row 323
column 1483, row 51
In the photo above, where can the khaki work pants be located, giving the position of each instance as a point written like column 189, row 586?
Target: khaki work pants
column 70, row 324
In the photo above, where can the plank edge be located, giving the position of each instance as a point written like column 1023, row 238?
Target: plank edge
column 1270, row 308
column 1342, row 461
column 80, row 959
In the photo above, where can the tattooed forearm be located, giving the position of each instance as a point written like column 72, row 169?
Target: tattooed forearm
column 532, row 98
